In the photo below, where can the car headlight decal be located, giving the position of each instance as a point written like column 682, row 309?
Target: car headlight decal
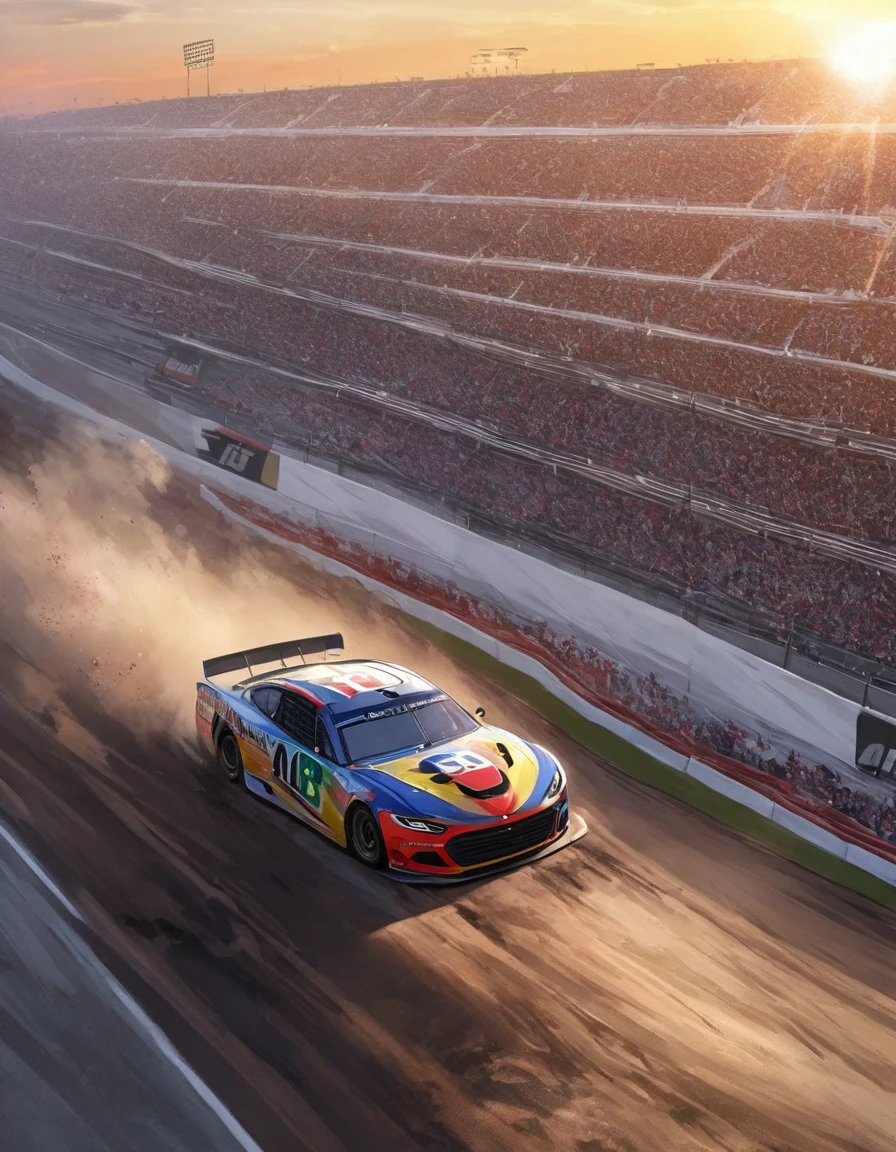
column 556, row 785
column 417, row 824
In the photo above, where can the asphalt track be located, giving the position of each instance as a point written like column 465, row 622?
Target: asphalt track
column 663, row 985
column 80, row 1069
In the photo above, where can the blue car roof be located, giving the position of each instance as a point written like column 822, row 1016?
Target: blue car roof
column 340, row 685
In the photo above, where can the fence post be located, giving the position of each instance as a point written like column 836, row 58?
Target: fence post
column 789, row 645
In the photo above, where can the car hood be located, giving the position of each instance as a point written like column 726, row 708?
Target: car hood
column 486, row 774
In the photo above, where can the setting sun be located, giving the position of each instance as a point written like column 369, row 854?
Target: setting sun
column 868, row 55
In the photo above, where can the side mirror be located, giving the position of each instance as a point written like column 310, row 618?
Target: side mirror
column 480, row 712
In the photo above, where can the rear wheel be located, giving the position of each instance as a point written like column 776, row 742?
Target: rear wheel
column 366, row 837
column 229, row 757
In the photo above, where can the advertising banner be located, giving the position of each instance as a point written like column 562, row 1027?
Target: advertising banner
column 237, row 453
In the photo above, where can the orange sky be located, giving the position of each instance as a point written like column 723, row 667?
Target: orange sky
column 53, row 52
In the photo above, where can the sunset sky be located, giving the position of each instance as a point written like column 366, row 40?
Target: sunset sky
column 54, row 52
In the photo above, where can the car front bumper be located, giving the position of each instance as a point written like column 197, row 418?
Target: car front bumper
column 568, row 827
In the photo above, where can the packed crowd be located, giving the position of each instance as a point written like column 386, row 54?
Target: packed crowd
column 832, row 172
column 674, row 714
column 760, row 349
column 773, row 92
column 362, row 290
column 847, row 603
column 723, row 170
column 71, row 185
column 854, row 332
column 818, row 486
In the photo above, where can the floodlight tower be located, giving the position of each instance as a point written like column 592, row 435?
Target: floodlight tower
column 199, row 54
column 482, row 59
column 512, row 54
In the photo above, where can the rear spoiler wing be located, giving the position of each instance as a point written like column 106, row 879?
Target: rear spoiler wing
column 270, row 653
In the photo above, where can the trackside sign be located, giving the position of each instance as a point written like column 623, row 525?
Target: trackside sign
column 237, row 453
column 876, row 746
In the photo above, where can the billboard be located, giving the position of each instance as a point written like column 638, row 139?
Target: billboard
column 876, row 746
column 179, row 370
column 237, row 453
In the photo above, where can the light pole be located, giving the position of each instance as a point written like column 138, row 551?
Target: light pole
column 199, row 54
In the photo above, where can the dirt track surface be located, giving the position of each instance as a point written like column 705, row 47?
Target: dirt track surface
column 663, row 985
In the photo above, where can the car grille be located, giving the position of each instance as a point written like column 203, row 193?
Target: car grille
column 432, row 859
column 501, row 840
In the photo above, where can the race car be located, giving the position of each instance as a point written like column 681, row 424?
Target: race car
column 383, row 762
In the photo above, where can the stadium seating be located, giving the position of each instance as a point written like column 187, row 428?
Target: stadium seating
column 702, row 298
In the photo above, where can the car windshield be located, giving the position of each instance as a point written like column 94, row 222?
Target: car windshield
column 377, row 735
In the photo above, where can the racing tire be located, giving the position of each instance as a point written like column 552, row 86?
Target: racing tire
column 365, row 837
column 229, row 757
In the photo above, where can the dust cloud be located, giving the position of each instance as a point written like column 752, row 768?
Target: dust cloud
column 117, row 577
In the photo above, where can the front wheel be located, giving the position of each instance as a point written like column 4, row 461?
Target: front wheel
column 366, row 838
column 230, row 758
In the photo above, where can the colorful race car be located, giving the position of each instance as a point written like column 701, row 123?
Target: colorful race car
column 383, row 762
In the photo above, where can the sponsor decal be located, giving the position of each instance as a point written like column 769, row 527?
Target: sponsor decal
column 238, row 454
column 350, row 680
column 209, row 702
column 301, row 773
column 236, row 457
column 381, row 712
column 475, row 775
column 455, row 764
column 205, row 703
column 254, row 735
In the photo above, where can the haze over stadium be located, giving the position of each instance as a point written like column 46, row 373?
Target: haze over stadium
column 54, row 53
column 560, row 372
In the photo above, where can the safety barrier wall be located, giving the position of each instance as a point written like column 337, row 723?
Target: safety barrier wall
column 779, row 745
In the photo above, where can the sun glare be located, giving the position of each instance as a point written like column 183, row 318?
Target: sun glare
column 868, row 54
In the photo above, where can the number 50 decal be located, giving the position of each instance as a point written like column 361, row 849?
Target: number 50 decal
column 302, row 773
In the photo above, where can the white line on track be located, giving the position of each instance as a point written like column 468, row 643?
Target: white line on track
column 167, row 1049
column 143, row 1022
column 25, row 856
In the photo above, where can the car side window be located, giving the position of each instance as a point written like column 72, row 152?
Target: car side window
column 323, row 742
column 266, row 700
column 297, row 717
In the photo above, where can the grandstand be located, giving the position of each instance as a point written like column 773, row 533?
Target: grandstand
column 645, row 317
